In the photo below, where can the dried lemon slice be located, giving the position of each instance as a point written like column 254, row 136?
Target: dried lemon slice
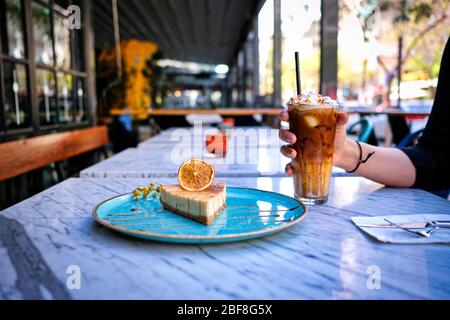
column 195, row 175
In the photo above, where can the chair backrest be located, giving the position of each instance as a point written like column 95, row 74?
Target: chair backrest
column 365, row 130
column 410, row 138
column 22, row 156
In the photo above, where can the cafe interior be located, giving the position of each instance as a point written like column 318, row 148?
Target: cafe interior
column 98, row 92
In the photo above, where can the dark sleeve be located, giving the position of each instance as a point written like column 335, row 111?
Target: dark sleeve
column 431, row 156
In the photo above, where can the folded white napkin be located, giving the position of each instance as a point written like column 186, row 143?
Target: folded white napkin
column 397, row 235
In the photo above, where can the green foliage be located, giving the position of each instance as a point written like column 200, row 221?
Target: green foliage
column 420, row 11
column 424, row 25
column 415, row 11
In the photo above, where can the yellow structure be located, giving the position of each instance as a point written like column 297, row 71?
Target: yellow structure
column 135, row 55
column 135, row 91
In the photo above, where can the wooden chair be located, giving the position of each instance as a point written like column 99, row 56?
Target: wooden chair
column 22, row 156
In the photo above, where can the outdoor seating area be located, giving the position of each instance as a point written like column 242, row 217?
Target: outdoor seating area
column 224, row 150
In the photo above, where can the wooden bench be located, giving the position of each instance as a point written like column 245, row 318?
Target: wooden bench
column 22, row 156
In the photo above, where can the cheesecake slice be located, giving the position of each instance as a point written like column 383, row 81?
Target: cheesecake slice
column 202, row 206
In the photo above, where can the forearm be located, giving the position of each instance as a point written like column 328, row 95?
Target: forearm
column 388, row 166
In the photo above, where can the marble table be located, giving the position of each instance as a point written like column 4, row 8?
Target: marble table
column 51, row 237
column 165, row 161
column 241, row 137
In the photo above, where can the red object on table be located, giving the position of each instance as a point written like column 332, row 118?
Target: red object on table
column 216, row 144
column 229, row 121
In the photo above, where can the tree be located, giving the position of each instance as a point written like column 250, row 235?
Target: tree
column 412, row 21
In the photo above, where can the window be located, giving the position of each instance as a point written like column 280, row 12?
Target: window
column 80, row 102
column 16, row 105
column 13, row 66
column 42, row 34
column 60, row 76
column 62, row 42
column 46, row 97
column 65, row 97
column 61, row 101
column 13, row 43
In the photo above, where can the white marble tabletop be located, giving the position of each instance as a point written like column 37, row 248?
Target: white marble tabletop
column 165, row 161
column 51, row 237
column 240, row 137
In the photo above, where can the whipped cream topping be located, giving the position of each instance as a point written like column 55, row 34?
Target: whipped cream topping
column 312, row 99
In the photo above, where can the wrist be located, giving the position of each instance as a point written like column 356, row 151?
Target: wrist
column 349, row 155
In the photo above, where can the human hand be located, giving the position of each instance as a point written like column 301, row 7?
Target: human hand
column 289, row 137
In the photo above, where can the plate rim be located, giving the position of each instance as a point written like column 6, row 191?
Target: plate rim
column 268, row 230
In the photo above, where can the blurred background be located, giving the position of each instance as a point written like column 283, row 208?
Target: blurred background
column 141, row 66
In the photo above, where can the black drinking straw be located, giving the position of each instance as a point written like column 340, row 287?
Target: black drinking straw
column 297, row 73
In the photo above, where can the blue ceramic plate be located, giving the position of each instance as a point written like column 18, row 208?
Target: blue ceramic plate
column 250, row 213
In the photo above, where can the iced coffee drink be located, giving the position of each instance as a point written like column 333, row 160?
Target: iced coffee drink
column 312, row 118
